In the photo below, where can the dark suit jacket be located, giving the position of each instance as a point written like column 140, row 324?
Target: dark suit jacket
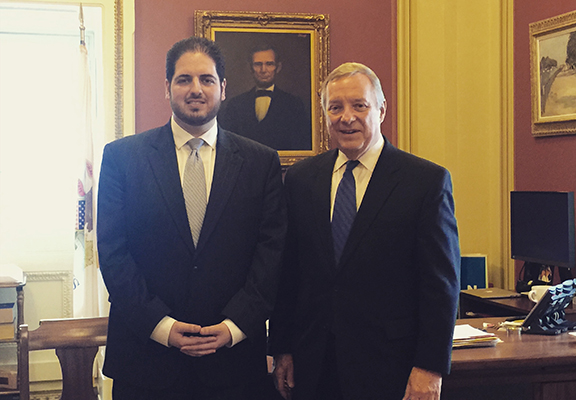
column 152, row 269
column 285, row 127
column 391, row 301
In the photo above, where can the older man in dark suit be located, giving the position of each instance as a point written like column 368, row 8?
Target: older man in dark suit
column 191, row 225
column 367, row 300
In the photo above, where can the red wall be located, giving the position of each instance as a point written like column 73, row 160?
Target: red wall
column 539, row 163
column 364, row 32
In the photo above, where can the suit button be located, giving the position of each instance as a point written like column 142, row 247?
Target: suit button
column 195, row 268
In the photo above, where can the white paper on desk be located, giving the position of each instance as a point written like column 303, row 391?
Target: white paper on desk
column 463, row 332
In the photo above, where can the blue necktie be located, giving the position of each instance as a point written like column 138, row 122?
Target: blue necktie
column 344, row 209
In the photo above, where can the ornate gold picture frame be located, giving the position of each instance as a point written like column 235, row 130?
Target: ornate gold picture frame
column 300, row 43
column 553, row 75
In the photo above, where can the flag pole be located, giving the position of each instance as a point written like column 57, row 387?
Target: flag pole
column 82, row 27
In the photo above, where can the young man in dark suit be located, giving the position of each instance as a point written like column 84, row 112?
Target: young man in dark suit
column 367, row 300
column 191, row 224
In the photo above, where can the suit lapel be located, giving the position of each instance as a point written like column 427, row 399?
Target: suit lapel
column 274, row 107
column 251, row 106
column 226, row 170
column 381, row 185
column 321, row 191
column 162, row 158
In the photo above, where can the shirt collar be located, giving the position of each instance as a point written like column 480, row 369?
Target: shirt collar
column 269, row 88
column 181, row 137
column 368, row 159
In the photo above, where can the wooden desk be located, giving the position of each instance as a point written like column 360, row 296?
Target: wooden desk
column 499, row 307
column 523, row 366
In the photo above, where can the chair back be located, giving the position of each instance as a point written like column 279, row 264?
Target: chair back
column 76, row 341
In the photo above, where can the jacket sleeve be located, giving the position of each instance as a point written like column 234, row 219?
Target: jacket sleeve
column 282, row 319
column 253, row 303
column 128, row 292
column 438, row 260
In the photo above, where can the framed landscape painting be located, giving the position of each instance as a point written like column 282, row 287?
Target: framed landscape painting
column 553, row 75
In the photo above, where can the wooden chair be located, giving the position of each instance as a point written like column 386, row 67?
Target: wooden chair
column 76, row 341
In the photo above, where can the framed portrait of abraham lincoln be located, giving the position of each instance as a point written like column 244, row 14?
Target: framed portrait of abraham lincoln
column 553, row 75
column 275, row 65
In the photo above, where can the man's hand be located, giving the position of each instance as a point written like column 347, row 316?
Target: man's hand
column 206, row 341
column 187, row 338
column 284, row 375
column 220, row 332
column 423, row 385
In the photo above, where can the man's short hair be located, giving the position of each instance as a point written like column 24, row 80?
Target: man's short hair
column 350, row 69
column 195, row 45
column 263, row 47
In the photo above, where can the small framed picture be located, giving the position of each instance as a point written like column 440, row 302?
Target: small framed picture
column 553, row 75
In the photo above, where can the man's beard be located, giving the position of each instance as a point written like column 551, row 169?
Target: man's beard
column 191, row 118
column 263, row 84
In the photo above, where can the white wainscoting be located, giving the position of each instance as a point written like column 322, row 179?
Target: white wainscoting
column 47, row 295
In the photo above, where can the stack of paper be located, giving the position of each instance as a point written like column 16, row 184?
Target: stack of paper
column 468, row 336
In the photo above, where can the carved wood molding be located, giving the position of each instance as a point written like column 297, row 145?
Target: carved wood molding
column 66, row 277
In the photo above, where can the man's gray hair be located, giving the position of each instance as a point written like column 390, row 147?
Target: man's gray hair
column 350, row 69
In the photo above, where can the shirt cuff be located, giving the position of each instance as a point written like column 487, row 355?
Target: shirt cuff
column 161, row 333
column 235, row 332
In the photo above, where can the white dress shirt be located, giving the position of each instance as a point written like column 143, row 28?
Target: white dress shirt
column 262, row 104
column 208, row 155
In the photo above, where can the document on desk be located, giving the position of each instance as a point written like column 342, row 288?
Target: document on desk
column 468, row 336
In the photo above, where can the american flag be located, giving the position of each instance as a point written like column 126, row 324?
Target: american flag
column 85, row 271
column 80, row 215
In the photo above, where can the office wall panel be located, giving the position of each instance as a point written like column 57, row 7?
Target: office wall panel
column 540, row 163
column 454, row 68
column 363, row 33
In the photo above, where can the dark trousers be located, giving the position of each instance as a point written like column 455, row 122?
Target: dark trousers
column 194, row 390
column 329, row 383
column 391, row 378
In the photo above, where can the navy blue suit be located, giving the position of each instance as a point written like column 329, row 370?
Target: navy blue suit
column 152, row 269
column 286, row 125
column 390, row 303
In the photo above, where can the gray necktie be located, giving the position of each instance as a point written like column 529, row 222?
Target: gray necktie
column 194, row 188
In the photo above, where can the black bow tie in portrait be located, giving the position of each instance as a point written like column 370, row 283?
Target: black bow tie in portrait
column 263, row 92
